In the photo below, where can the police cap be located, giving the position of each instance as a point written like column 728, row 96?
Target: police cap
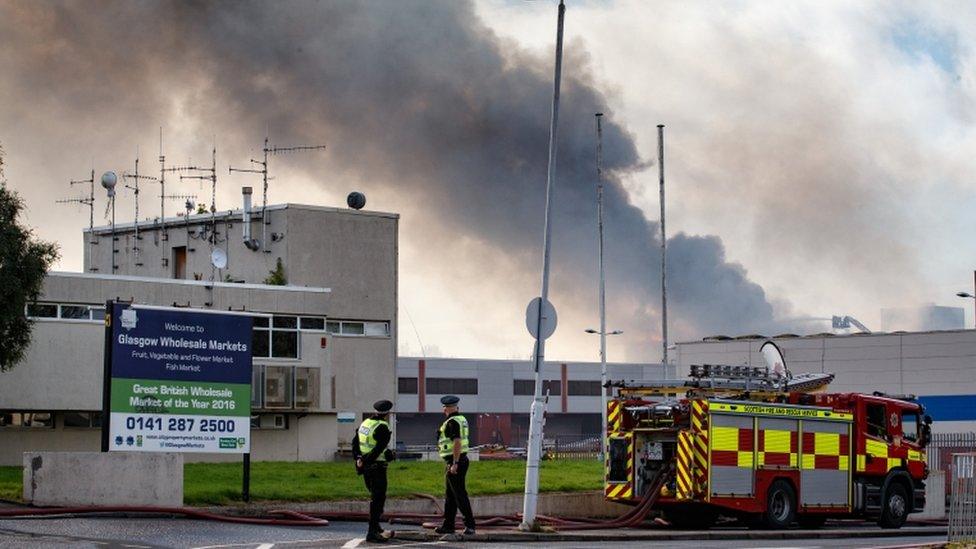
column 450, row 400
column 382, row 406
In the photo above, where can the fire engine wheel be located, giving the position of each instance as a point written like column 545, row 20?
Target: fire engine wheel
column 780, row 506
column 894, row 512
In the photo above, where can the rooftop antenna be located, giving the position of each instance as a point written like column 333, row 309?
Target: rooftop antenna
column 211, row 175
column 135, row 177
column 90, row 202
column 164, row 235
column 109, row 180
column 268, row 149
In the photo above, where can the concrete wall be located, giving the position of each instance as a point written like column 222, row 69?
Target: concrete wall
column 936, row 366
column 117, row 478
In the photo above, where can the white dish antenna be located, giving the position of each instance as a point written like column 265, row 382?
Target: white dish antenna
column 109, row 180
column 219, row 258
column 774, row 359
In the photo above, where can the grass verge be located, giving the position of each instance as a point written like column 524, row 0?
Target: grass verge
column 220, row 483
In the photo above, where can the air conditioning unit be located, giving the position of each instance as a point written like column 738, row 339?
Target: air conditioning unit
column 306, row 387
column 274, row 421
column 277, row 391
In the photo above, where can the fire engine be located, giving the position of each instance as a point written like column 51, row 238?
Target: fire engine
column 765, row 446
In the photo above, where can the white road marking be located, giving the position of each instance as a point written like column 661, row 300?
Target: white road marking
column 265, row 546
column 353, row 543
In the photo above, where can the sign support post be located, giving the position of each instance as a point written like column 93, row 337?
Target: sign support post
column 107, row 376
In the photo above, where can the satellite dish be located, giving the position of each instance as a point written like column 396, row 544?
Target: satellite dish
column 356, row 200
column 109, row 180
column 219, row 258
column 774, row 358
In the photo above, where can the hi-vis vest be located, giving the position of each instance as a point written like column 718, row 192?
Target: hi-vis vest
column 367, row 440
column 445, row 446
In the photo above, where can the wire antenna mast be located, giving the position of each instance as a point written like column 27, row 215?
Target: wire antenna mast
column 90, row 202
column 135, row 177
column 268, row 149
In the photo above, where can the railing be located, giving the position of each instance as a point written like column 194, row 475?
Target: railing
column 940, row 450
column 578, row 447
column 962, row 509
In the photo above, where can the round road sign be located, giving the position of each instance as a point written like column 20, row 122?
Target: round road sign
column 548, row 318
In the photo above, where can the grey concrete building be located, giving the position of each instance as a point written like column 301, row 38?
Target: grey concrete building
column 496, row 395
column 939, row 367
column 329, row 350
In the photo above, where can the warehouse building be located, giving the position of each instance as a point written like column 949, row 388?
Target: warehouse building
column 938, row 366
column 328, row 277
column 496, row 396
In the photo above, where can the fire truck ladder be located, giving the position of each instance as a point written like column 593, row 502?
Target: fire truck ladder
column 720, row 379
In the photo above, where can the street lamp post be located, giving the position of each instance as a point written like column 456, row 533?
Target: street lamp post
column 603, row 383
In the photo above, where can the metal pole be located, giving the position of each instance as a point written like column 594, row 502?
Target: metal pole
column 536, row 415
column 264, row 201
column 107, row 375
column 246, row 487
column 91, row 223
column 113, row 234
column 664, row 261
column 603, row 296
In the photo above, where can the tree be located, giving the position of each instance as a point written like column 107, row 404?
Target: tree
column 277, row 276
column 24, row 261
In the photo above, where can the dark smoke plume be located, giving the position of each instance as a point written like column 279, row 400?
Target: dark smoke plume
column 419, row 97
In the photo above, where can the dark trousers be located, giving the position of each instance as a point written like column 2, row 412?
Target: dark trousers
column 456, row 496
column 375, row 478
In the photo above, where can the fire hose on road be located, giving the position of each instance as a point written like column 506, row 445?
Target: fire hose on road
column 284, row 517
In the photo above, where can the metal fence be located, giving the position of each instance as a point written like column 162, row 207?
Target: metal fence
column 582, row 447
column 962, row 508
column 940, row 450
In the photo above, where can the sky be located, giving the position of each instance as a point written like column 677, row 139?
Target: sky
column 818, row 154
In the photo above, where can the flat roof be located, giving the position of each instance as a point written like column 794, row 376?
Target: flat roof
column 821, row 335
column 196, row 219
column 206, row 283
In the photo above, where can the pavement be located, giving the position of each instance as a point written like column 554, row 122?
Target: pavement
column 100, row 532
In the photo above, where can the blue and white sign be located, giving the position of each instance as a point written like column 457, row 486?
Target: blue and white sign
column 180, row 380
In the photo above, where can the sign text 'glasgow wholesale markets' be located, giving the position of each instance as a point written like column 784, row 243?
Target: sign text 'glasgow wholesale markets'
column 180, row 380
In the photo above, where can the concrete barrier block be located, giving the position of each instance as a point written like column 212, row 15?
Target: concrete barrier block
column 103, row 479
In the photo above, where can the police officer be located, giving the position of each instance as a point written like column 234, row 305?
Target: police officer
column 369, row 447
column 452, row 444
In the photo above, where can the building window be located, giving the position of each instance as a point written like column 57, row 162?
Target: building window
column 27, row 420
column 314, row 323
column 452, row 386
column 277, row 340
column 407, row 385
column 358, row 328
column 65, row 311
column 584, row 388
column 82, row 420
column 42, row 310
column 527, row 387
